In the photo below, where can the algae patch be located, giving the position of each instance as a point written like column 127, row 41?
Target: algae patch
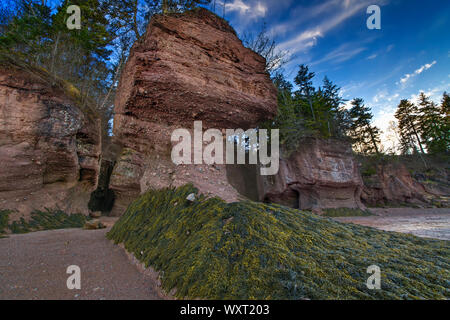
column 48, row 220
column 209, row 249
column 4, row 216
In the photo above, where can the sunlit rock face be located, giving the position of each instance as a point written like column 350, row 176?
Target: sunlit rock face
column 392, row 184
column 320, row 174
column 49, row 146
column 187, row 67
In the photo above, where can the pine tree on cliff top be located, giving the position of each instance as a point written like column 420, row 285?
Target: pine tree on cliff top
column 408, row 118
column 366, row 137
column 337, row 117
column 432, row 125
column 445, row 114
column 306, row 90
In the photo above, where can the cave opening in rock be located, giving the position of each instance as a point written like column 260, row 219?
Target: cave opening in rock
column 102, row 199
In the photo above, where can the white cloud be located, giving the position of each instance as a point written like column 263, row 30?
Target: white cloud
column 304, row 40
column 255, row 9
column 334, row 13
column 435, row 93
column 373, row 56
column 408, row 76
column 342, row 53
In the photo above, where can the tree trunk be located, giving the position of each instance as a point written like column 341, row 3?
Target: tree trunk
column 165, row 6
column 373, row 140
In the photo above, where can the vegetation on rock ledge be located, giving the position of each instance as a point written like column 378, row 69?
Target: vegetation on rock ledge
column 213, row 250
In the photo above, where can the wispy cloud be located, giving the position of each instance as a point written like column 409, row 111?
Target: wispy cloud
column 434, row 93
column 336, row 12
column 373, row 56
column 250, row 9
column 408, row 76
column 343, row 53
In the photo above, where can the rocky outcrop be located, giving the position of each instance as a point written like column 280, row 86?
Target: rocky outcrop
column 393, row 184
column 321, row 174
column 187, row 67
column 49, row 146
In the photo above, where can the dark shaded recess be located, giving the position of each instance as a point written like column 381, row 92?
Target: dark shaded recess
column 245, row 178
column 290, row 198
column 102, row 199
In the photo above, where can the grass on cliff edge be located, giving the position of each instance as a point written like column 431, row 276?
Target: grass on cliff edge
column 213, row 250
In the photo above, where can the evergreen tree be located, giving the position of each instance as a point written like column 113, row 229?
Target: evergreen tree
column 445, row 126
column 409, row 128
column 289, row 120
column 366, row 137
column 306, row 90
column 338, row 121
column 432, row 125
column 28, row 33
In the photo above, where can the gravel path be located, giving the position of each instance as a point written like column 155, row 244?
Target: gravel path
column 33, row 266
column 427, row 223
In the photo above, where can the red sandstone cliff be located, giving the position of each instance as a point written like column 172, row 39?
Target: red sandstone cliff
column 320, row 174
column 49, row 147
column 187, row 67
column 393, row 184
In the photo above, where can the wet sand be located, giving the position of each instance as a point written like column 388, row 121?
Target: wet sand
column 33, row 266
column 427, row 223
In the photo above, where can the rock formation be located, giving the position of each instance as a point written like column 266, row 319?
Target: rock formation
column 187, row 67
column 49, row 146
column 393, row 184
column 321, row 174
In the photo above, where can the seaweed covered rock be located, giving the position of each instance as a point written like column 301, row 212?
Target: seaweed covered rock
column 187, row 67
column 210, row 249
column 49, row 143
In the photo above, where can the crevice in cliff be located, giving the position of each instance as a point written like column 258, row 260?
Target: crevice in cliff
column 102, row 199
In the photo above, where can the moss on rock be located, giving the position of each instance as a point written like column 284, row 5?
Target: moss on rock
column 213, row 250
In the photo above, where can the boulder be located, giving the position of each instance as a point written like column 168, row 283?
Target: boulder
column 94, row 225
column 187, row 67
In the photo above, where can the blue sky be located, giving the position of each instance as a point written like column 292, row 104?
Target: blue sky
column 411, row 52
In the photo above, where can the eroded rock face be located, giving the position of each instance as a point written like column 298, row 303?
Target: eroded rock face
column 393, row 185
column 188, row 67
column 321, row 174
column 49, row 147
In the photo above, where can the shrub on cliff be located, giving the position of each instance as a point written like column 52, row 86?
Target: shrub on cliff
column 213, row 250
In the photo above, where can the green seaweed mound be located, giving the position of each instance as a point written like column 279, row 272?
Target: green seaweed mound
column 209, row 249
column 48, row 220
